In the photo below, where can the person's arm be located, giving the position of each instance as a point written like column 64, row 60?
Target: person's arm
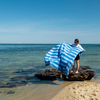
column 84, row 49
column 81, row 47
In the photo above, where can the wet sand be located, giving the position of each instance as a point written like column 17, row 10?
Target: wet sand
column 44, row 91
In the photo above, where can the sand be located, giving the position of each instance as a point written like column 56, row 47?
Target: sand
column 68, row 90
column 79, row 91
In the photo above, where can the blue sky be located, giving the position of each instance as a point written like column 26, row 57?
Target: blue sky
column 49, row 21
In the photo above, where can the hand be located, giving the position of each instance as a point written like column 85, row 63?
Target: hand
column 83, row 49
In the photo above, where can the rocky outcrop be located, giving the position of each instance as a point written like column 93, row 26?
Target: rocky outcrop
column 49, row 74
column 81, row 76
column 84, row 74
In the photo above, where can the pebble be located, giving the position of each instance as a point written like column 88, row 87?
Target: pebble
column 11, row 92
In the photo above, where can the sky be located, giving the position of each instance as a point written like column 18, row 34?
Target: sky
column 49, row 21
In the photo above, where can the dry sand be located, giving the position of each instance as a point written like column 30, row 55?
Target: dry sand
column 79, row 91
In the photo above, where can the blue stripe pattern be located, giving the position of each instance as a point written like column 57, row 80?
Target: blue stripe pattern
column 62, row 56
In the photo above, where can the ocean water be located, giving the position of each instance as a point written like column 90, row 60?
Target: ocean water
column 27, row 59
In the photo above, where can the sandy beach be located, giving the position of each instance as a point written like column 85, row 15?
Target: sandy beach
column 68, row 90
column 79, row 91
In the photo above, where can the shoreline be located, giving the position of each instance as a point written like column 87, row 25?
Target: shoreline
column 48, row 91
column 44, row 90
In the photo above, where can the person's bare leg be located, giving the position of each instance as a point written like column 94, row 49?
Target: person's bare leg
column 73, row 67
column 77, row 62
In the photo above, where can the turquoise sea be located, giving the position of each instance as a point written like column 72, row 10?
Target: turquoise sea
column 17, row 60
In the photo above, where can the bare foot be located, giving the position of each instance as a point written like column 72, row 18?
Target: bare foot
column 76, row 72
column 72, row 71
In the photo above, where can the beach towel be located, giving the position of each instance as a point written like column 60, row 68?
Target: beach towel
column 62, row 56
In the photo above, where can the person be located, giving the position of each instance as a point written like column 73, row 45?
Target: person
column 76, row 43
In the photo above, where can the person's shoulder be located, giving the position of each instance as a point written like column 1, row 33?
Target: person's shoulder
column 79, row 45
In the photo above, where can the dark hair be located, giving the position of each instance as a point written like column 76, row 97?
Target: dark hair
column 76, row 40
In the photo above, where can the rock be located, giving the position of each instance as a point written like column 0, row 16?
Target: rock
column 81, row 76
column 14, row 84
column 53, row 74
column 11, row 92
column 90, row 74
column 47, row 75
column 7, row 91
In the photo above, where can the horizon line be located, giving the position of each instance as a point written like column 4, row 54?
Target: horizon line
column 45, row 43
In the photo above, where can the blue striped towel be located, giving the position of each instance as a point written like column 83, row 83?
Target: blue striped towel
column 62, row 56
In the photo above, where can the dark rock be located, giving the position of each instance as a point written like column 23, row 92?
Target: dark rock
column 11, row 92
column 90, row 74
column 14, row 84
column 81, row 76
column 11, row 84
column 47, row 75
column 53, row 74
